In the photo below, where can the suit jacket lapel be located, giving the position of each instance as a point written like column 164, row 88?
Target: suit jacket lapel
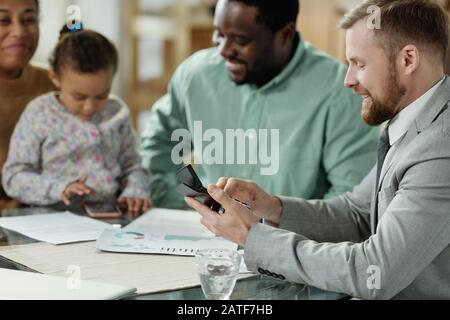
column 434, row 107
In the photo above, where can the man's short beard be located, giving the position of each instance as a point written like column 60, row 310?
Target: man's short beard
column 251, row 78
column 379, row 112
column 258, row 75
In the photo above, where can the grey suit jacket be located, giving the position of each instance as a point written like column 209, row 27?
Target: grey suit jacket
column 339, row 245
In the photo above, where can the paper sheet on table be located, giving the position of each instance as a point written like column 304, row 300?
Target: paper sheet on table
column 45, row 287
column 148, row 273
column 163, row 231
column 56, row 228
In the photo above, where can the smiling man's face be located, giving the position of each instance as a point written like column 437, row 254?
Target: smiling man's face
column 19, row 35
column 372, row 75
column 248, row 47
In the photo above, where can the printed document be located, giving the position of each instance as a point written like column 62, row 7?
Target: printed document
column 56, row 228
column 163, row 231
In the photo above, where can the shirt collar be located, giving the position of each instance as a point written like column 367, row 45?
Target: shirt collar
column 401, row 123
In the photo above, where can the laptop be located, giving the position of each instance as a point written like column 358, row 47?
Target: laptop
column 19, row 285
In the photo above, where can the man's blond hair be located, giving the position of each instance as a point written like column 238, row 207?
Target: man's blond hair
column 420, row 22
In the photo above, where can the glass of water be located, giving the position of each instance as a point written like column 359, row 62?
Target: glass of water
column 218, row 270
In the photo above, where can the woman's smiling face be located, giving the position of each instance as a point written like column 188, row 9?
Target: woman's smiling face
column 19, row 35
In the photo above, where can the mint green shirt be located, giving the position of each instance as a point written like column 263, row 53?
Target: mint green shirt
column 324, row 148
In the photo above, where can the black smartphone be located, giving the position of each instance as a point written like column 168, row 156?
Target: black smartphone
column 102, row 210
column 76, row 205
column 191, row 186
column 97, row 210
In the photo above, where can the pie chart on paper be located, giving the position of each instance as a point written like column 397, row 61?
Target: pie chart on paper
column 130, row 236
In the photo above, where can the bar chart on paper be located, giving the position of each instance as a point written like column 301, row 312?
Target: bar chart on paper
column 163, row 231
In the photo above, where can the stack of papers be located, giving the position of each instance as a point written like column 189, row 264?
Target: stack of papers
column 56, row 228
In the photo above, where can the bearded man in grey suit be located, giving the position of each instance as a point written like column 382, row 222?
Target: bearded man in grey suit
column 389, row 238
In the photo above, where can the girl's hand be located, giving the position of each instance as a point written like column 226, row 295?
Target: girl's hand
column 136, row 206
column 79, row 188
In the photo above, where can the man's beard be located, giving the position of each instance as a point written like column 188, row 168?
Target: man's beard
column 258, row 73
column 252, row 78
column 376, row 112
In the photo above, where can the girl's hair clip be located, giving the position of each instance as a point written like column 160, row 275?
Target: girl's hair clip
column 76, row 27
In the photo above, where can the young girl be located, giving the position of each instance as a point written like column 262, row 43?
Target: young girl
column 78, row 141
